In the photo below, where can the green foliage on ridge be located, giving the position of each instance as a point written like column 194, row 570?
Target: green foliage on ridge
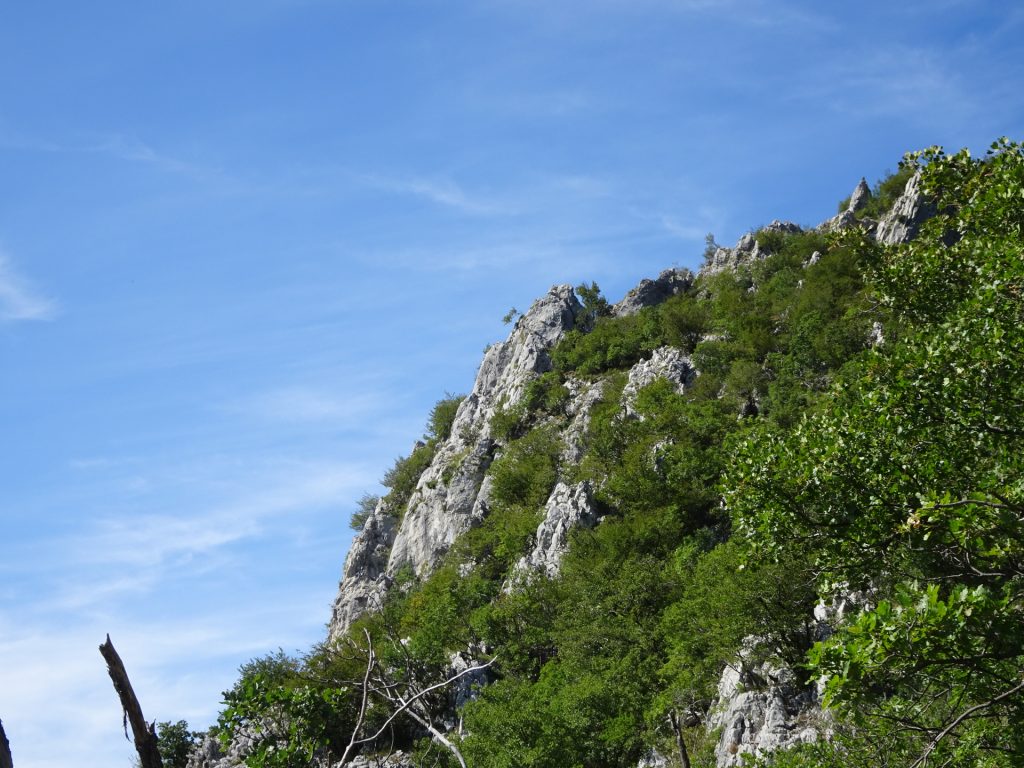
column 802, row 461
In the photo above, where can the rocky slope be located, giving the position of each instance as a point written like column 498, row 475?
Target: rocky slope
column 757, row 710
column 452, row 494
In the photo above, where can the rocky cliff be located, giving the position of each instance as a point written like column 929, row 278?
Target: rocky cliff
column 756, row 709
column 453, row 492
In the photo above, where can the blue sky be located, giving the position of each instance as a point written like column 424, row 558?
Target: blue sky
column 245, row 246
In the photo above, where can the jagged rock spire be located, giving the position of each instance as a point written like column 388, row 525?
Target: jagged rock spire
column 860, row 196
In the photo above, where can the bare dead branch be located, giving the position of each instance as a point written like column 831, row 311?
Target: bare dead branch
column 677, row 730
column 144, row 733
column 6, row 761
column 406, row 703
column 438, row 737
column 965, row 715
column 370, row 661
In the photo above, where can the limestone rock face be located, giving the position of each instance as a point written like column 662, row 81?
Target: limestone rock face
column 666, row 363
column 651, row 292
column 442, row 507
column 903, row 220
column 746, row 251
column 859, row 198
column 583, row 396
column 763, row 716
column 845, row 218
column 363, row 583
column 452, row 493
column 568, row 507
column 396, row 759
column 208, row 753
column 467, row 688
column 653, row 759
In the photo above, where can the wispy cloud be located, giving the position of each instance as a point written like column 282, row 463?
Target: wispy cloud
column 120, row 146
column 133, row 149
column 260, row 495
column 926, row 88
column 304, row 405
column 19, row 300
column 440, row 191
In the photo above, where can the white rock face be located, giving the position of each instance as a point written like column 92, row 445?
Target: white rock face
column 903, row 220
column 396, row 759
column 860, row 197
column 568, row 507
column 452, row 493
column 443, row 504
column 583, row 396
column 759, row 718
column 363, row 585
column 666, row 363
column 653, row 759
column 747, row 250
column 208, row 753
column 651, row 292
column 846, row 218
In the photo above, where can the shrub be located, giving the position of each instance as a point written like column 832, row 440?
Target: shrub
column 401, row 479
column 442, row 416
column 527, row 471
column 367, row 503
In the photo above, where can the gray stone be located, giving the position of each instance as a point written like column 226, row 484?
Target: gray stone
column 761, row 712
column 746, row 250
column 653, row 759
column 860, row 196
column 568, row 507
column 396, row 759
column 452, row 493
column 208, row 752
column 905, row 217
column 364, row 581
column 467, row 688
column 583, row 396
column 650, row 292
column 666, row 363
column 444, row 504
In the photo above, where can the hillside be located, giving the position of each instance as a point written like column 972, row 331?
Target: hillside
column 771, row 510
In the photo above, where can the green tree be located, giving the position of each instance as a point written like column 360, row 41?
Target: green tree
column 367, row 503
column 910, row 483
column 175, row 742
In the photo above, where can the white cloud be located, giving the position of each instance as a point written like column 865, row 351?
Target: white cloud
column 135, row 150
column 263, row 492
column 19, row 300
column 683, row 231
column 440, row 191
column 301, row 404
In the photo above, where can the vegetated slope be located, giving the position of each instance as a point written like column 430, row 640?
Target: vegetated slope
column 659, row 532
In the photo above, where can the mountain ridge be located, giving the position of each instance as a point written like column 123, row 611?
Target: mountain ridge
column 583, row 563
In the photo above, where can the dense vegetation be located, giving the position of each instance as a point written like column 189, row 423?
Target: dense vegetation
column 804, row 462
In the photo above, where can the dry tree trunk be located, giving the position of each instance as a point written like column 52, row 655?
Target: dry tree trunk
column 677, row 730
column 145, row 734
column 6, row 761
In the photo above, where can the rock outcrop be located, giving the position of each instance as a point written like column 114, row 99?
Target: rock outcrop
column 363, row 575
column 762, row 711
column 650, row 292
column 907, row 214
column 746, row 250
column 583, row 396
column 568, row 507
column 451, row 494
column 208, row 753
column 847, row 217
column 666, row 363
column 860, row 197
column 443, row 505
